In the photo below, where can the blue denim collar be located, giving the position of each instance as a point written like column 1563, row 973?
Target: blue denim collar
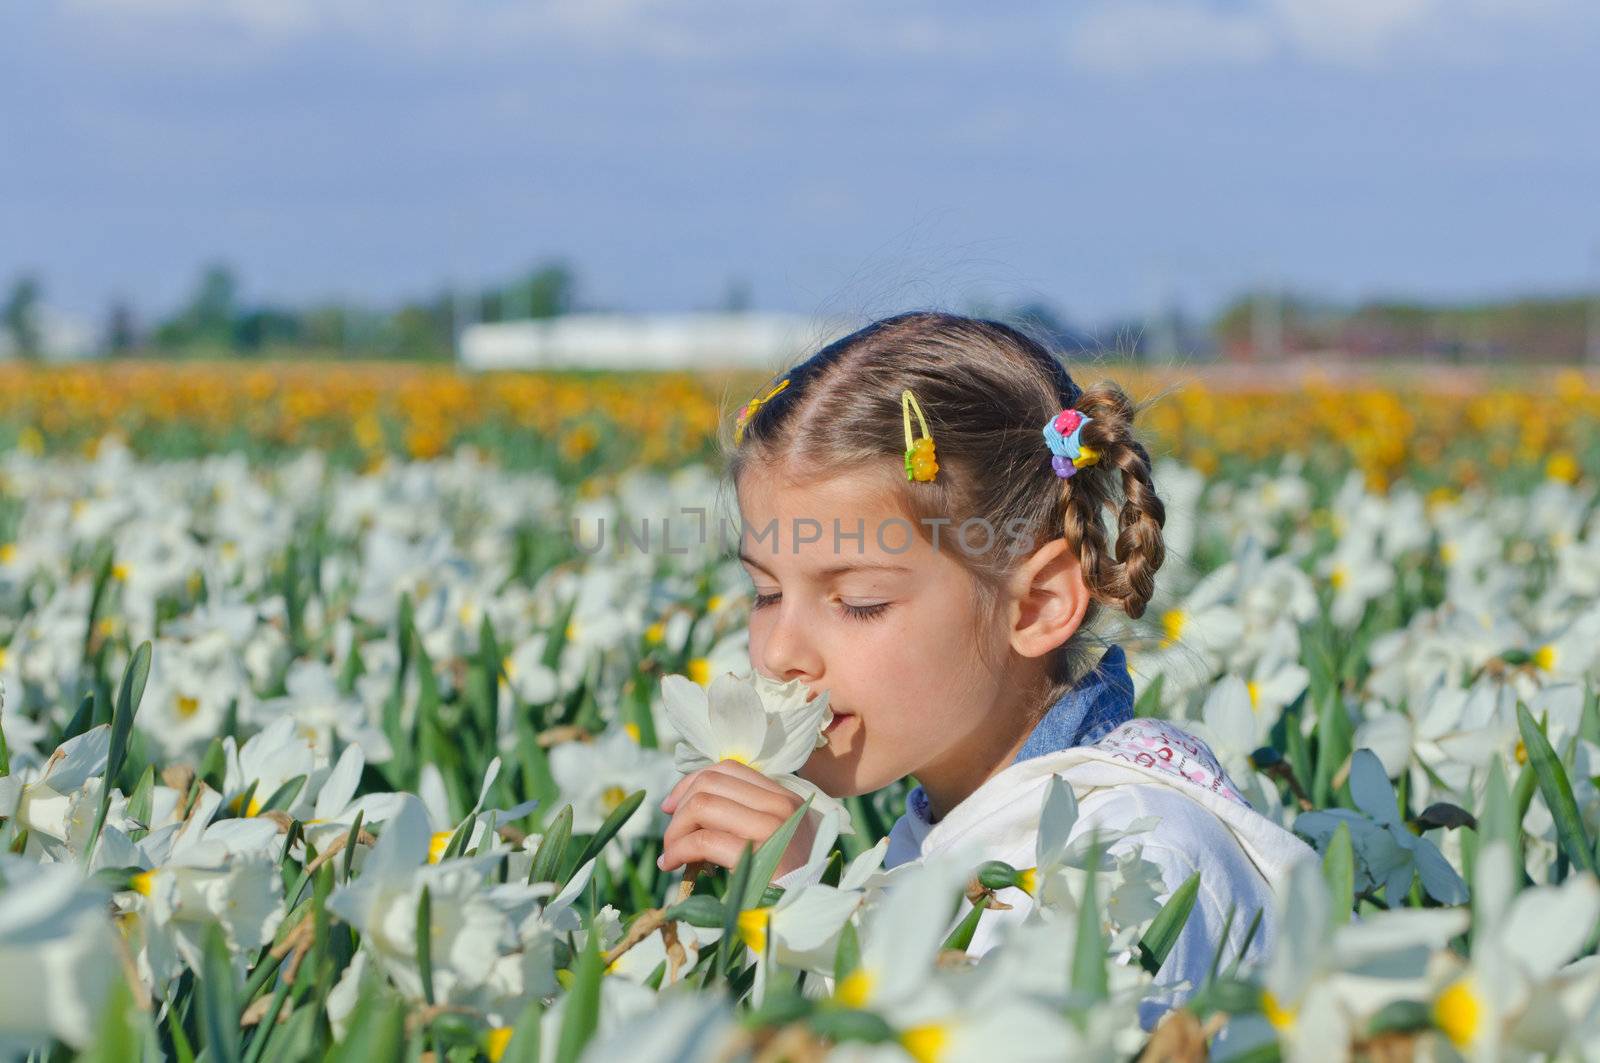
column 1099, row 703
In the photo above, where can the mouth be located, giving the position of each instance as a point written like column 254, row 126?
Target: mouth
column 838, row 721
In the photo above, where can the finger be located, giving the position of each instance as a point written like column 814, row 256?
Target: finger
column 731, row 769
column 713, row 811
column 711, row 846
column 676, row 793
column 779, row 802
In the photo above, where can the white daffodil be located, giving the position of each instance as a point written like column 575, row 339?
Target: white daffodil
column 767, row 725
column 224, row 874
column 902, row 932
column 1448, row 737
column 1325, row 980
column 596, row 777
column 1507, row 1000
column 57, row 804
column 280, row 755
column 1357, row 574
column 1235, row 727
column 322, row 714
column 1063, row 851
column 56, row 956
column 472, row 931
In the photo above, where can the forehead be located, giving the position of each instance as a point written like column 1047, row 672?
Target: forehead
column 815, row 522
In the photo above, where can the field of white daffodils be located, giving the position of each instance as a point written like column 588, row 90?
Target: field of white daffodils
column 300, row 762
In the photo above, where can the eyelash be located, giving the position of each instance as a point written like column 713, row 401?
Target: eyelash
column 855, row 612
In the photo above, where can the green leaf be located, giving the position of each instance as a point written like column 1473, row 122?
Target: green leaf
column 1333, row 745
column 1089, row 975
column 847, row 954
column 127, row 704
column 1557, row 791
column 219, row 1007
column 732, row 905
column 524, row 1044
column 285, row 795
column 1168, row 924
column 770, row 854
column 377, row 1028
column 351, row 840
column 698, row 909
column 847, row 1024
column 961, row 936
column 552, row 847
column 139, row 802
column 81, row 720
column 425, row 943
column 458, row 841
column 608, row 830
column 1339, row 872
column 582, row 1014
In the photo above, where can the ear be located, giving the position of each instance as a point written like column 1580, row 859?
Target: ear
column 1048, row 599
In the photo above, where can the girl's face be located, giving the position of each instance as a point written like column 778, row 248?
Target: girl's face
column 885, row 623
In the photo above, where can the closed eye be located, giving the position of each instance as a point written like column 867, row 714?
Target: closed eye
column 854, row 612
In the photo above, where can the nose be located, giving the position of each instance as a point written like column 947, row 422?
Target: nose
column 788, row 651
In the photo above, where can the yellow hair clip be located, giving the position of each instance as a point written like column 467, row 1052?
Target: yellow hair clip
column 751, row 408
column 921, row 464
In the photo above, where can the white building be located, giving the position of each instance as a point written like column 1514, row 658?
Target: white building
column 62, row 338
column 711, row 340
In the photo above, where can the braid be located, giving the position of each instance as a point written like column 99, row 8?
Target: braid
column 1126, row 579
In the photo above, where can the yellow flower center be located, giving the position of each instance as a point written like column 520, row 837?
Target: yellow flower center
column 700, row 671
column 1255, row 695
column 252, row 809
column 1457, row 1012
column 611, row 797
column 120, row 572
column 753, row 923
column 1562, row 466
column 1339, row 577
column 632, row 729
column 1544, row 658
column 655, row 632
column 854, row 989
column 142, row 882
column 1447, row 552
column 438, row 844
column 495, row 1046
column 1522, row 752
column 1172, row 622
column 926, row 1043
column 1281, row 1017
column 8, row 553
column 185, row 706
column 1027, row 880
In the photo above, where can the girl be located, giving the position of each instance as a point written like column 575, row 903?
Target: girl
column 922, row 510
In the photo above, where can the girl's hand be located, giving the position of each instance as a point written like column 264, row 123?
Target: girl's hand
column 716, row 810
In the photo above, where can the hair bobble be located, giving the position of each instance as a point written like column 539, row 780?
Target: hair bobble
column 921, row 464
column 1068, row 453
column 751, row 408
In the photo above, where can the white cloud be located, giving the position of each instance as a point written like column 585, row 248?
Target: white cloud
column 1135, row 36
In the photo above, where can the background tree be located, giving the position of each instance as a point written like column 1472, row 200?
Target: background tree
column 20, row 316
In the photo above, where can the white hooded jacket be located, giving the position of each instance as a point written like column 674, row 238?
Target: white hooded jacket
column 1144, row 767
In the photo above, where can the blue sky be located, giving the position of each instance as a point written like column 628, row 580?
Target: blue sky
column 840, row 156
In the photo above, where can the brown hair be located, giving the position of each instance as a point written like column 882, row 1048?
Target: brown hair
column 987, row 390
